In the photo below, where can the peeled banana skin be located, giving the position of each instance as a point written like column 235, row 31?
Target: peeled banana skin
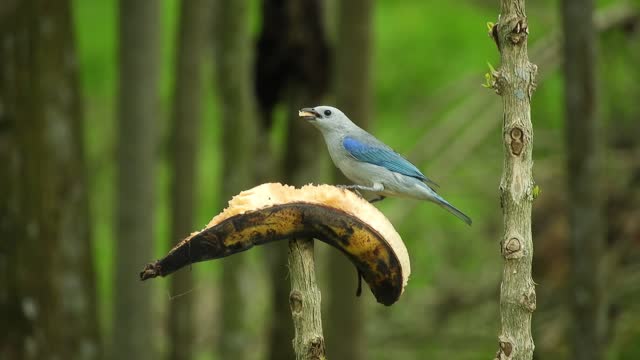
column 365, row 247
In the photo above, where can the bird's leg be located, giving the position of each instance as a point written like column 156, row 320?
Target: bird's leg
column 377, row 187
column 379, row 198
column 349, row 187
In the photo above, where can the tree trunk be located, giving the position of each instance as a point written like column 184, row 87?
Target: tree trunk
column 345, row 329
column 232, row 46
column 185, row 124
column 514, row 80
column 136, row 155
column 47, row 283
column 584, row 180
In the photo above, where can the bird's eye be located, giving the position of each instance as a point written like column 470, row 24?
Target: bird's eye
column 327, row 113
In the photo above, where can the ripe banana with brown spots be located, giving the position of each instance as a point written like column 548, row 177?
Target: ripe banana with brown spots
column 272, row 212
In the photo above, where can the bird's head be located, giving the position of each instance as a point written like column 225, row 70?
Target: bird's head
column 325, row 117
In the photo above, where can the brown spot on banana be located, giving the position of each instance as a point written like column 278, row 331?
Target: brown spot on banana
column 273, row 212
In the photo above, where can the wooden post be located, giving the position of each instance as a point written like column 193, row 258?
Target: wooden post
column 304, row 300
column 514, row 81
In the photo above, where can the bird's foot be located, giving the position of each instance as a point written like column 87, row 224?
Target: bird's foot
column 348, row 187
column 379, row 198
column 353, row 188
column 375, row 188
column 357, row 188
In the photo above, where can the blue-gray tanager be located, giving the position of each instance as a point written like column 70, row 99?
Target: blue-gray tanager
column 369, row 163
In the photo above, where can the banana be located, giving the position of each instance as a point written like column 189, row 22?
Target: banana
column 273, row 211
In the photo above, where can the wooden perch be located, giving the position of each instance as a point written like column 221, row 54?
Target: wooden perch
column 271, row 212
column 304, row 301
column 514, row 80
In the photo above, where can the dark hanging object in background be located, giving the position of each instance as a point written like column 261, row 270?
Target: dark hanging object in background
column 291, row 48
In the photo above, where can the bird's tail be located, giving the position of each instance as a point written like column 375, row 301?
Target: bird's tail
column 452, row 209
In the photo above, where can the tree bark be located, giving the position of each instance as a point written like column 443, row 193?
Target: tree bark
column 136, row 156
column 345, row 329
column 584, row 181
column 232, row 44
column 304, row 301
column 185, row 124
column 514, row 80
column 47, row 281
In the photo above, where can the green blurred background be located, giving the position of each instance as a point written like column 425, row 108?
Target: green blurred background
column 427, row 63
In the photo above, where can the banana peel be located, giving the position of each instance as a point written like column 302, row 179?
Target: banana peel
column 273, row 211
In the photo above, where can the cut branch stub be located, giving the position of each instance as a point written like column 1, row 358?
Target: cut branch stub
column 519, row 31
column 295, row 301
column 505, row 349
column 512, row 248
column 516, row 141
column 273, row 212
column 528, row 300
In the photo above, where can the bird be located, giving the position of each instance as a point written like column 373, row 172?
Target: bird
column 369, row 163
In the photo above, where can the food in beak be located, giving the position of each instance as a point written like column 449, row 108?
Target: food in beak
column 306, row 114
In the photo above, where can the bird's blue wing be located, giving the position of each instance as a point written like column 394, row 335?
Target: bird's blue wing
column 383, row 157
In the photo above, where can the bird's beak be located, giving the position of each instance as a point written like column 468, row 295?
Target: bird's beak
column 308, row 114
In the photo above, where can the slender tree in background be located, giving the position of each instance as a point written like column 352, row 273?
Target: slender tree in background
column 515, row 82
column 136, row 156
column 345, row 330
column 270, row 79
column 292, row 68
column 187, row 105
column 232, row 45
column 47, row 292
column 584, row 180
column 302, row 166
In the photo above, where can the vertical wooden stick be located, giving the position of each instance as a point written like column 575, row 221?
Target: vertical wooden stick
column 304, row 300
column 514, row 81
